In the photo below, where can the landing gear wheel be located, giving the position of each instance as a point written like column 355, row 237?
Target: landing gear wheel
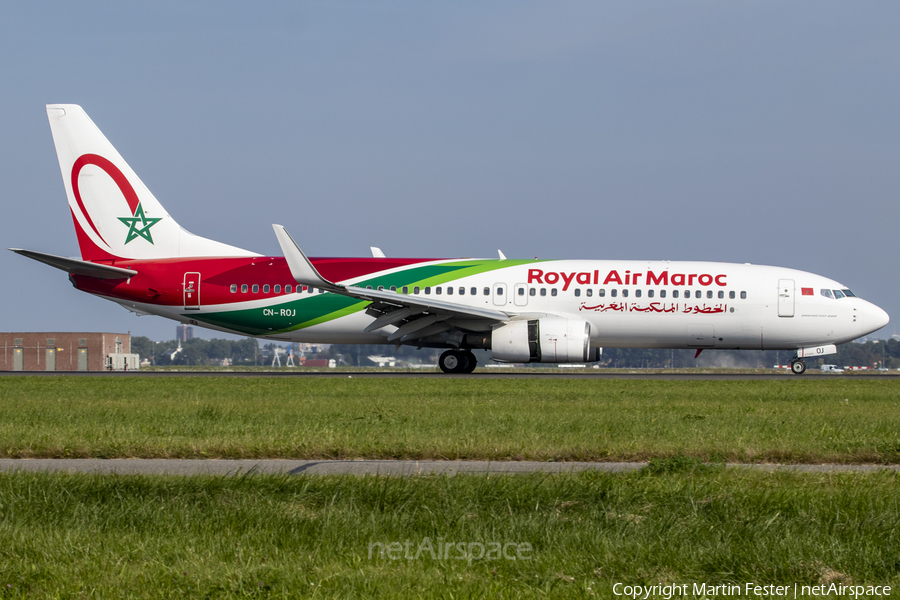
column 472, row 361
column 798, row 367
column 453, row 361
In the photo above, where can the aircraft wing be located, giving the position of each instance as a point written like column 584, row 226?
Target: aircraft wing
column 421, row 314
column 78, row 267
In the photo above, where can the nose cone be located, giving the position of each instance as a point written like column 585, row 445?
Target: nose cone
column 874, row 318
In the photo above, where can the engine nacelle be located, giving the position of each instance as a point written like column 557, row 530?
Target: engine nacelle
column 548, row 340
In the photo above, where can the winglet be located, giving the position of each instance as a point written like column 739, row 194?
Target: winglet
column 376, row 252
column 301, row 268
column 502, row 256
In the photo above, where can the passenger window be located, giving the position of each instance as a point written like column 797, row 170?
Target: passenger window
column 625, row 293
column 473, row 291
column 368, row 287
column 427, row 291
column 662, row 293
column 233, row 288
column 438, row 290
column 266, row 289
column 698, row 294
column 521, row 291
column 743, row 295
column 589, row 292
column 577, row 292
column 311, row 290
column 499, row 291
column 721, row 294
column 380, row 288
column 613, row 292
column 393, row 288
column 277, row 289
column 449, row 290
column 649, row 293
column 687, row 294
column 543, row 291
column 709, row 293
column 244, row 288
column 731, row 295
column 601, row 293
column 405, row 289
column 532, row 291
column 637, row 293
column 255, row 288
column 674, row 293
column 487, row 291
column 838, row 294
column 826, row 293
column 462, row 291
column 552, row 291
column 287, row 289
column 416, row 290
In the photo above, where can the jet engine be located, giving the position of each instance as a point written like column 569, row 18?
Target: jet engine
column 548, row 340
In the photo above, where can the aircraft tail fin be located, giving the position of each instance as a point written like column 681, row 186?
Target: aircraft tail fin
column 115, row 214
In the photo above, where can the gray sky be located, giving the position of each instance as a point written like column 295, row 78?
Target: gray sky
column 763, row 132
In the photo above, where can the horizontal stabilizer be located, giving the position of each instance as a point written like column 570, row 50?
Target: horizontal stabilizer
column 78, row 267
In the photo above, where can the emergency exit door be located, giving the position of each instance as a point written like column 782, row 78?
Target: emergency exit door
column 785, row 297
column 192, row 291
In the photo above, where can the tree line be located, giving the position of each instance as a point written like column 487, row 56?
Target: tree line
column 248, row 351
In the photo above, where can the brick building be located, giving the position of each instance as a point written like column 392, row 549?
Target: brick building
column 66, row 351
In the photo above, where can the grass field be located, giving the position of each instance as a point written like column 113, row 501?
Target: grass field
column 75, row 536
column 790, row 420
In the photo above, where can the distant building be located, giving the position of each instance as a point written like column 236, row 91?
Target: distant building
column 66, row 351
column 184, row 333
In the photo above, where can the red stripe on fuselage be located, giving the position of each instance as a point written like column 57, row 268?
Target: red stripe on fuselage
column 159, row 281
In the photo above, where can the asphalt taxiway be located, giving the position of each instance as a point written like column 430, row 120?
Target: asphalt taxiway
column 585, row 374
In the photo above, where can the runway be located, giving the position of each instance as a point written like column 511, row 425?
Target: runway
column 189, row 467
column 593, row 374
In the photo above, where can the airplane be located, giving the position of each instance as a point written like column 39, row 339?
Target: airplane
column 134, row 253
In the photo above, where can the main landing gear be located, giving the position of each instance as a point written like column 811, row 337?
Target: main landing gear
column 798, row 367
column 457, row 361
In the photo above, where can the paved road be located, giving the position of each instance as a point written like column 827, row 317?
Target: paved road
column 358, row 467
column 592, row 374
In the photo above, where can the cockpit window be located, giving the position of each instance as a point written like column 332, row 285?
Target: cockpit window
column 849, row 294
column 826, row 293
column 838, row 294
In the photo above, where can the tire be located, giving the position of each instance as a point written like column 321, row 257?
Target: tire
column 798, row 367
column 453, row 361
column 472, row 361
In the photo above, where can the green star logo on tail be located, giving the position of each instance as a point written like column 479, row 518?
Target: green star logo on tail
column 142, row 230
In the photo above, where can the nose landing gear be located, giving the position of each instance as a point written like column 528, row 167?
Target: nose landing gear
column 798, row 367
column 457, row 361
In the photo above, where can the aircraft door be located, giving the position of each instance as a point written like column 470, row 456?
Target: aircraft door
column 785, row 297
column 500, row 294
column 520, row 292
column 192, row 291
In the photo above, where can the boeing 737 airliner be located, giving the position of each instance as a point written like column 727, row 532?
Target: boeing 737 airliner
column 551, row 311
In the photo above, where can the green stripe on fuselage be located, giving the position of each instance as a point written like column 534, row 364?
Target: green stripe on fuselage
column 299, row 311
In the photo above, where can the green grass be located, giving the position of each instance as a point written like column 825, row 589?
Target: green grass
column 75, row 536
column 790, row 420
